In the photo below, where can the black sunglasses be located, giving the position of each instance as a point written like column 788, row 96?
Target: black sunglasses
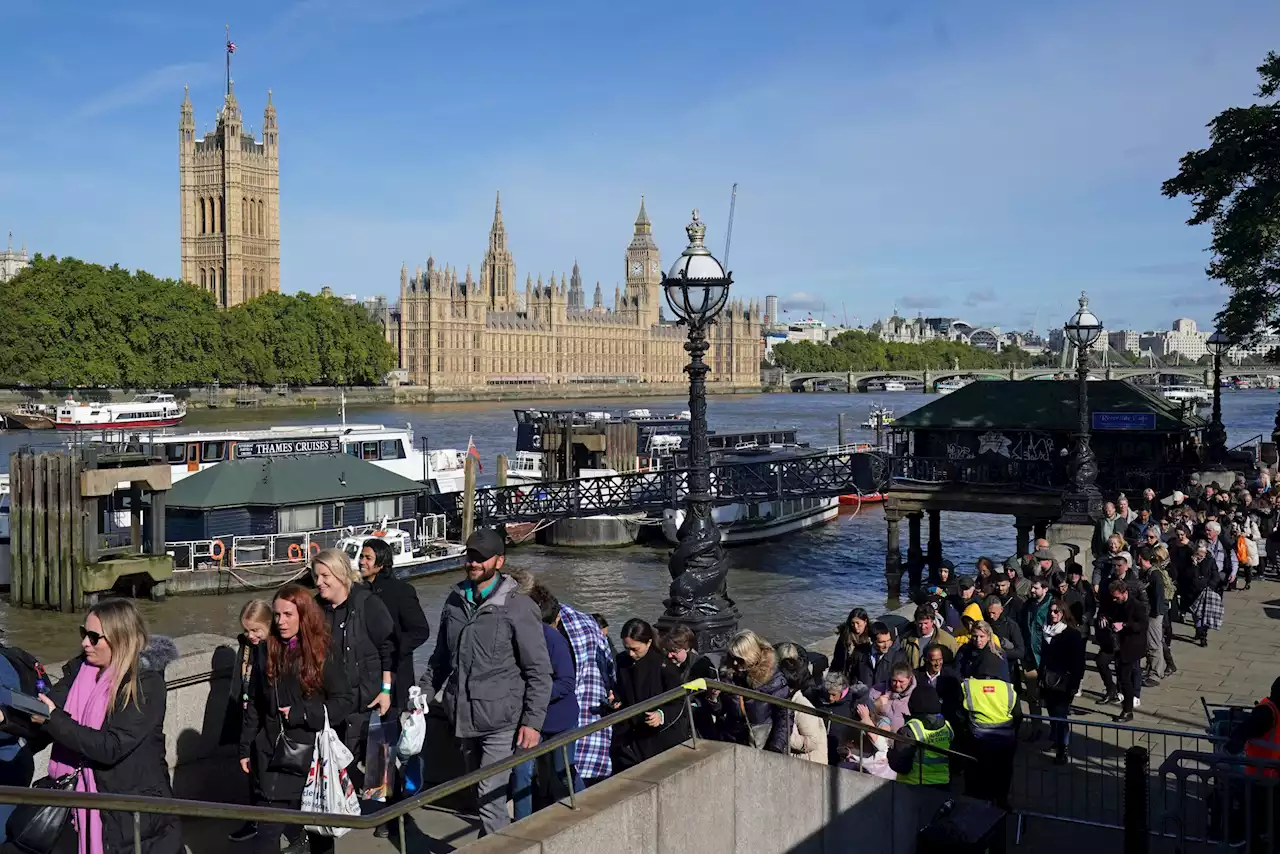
column 93, row 637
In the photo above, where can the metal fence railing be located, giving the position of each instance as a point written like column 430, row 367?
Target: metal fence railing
column 140, row 804
column 1241, row 801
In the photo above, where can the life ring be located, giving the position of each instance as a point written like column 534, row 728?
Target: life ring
column 217, row 550
column 295, row 552
column 379, row 533
column 315, row 549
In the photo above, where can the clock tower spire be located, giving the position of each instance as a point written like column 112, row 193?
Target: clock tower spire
column 644, row 268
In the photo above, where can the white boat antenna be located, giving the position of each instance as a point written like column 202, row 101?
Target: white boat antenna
column 342, row 405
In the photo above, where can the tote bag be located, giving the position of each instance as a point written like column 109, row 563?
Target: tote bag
column 328, row 788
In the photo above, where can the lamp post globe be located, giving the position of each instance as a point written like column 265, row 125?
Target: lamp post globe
column 1215, row 435
column 1082, row 501
column 697, row 288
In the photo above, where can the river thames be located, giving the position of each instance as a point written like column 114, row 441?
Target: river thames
column 798, row 588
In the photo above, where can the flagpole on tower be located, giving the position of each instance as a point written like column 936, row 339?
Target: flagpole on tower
column 230, row 50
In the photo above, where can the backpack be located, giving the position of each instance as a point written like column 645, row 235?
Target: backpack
column 32, row 678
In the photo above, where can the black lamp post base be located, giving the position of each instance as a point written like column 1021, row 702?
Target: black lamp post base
column 712, row 632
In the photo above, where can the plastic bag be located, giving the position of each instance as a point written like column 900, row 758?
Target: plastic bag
column 413, row 725
column 378, row 767
column 328, row 788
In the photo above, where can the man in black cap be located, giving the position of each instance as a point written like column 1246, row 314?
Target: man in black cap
column 492, row 663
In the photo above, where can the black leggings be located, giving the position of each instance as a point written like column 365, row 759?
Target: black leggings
column 268, row 839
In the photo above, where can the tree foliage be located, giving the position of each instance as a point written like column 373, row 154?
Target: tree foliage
column 1234, row 187
column 861, row 351
column 68, row 323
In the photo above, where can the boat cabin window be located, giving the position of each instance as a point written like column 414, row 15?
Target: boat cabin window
column 214, row 452
column 352, row 448
column 375, row 509
column 397, row 547
column 297, row 520
column 175, row 454
column 389, row 449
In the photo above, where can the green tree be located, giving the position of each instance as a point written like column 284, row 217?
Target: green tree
column 1234, row 187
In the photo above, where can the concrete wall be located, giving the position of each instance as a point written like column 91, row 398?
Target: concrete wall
column 726, row 799
column 193, row 720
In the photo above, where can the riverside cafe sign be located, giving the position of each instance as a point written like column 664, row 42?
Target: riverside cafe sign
column 287, row 447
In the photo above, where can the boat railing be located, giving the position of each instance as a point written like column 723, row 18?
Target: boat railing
column 268, row 550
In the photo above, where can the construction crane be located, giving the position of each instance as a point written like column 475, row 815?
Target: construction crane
column 728, row 235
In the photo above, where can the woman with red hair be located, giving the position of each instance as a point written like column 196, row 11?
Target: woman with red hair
column 287, row 710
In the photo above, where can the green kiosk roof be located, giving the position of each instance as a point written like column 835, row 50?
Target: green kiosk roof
column 1046, row 405
column 287, row 481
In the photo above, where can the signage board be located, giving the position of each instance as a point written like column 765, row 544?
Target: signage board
column 288, row 447
column 1124, row 421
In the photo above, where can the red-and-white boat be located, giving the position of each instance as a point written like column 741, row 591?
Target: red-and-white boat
column 145, row 410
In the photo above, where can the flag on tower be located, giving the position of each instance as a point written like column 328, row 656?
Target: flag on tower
column 231, row 46
column 474, row 452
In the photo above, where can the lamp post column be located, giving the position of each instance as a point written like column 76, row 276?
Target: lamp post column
column 1216, row 432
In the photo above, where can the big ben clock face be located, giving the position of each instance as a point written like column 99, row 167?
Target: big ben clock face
column 653, row 267
column 637, row 267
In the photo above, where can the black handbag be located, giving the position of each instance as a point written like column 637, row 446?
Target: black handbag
column 289, row 757
column 36, row 829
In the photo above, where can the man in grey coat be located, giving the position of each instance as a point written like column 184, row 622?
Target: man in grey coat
column 491, row 660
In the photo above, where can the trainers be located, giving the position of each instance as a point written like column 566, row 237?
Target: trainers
column 1150, row 682
column 1137, row 702
column 1109, row 699
column 244, row 832
column 382, row 831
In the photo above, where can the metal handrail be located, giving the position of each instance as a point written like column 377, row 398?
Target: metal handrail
column 151, row 804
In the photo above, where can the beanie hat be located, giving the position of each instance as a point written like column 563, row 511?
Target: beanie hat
column 924, row 701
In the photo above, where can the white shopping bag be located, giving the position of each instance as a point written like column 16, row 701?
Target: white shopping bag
column 413, row 725
column 328, row 788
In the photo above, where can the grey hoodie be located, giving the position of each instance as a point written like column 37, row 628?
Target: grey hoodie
column 492, row 659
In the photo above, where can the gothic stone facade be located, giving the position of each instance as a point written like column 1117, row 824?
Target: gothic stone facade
column 472, row 334
column 230, row 198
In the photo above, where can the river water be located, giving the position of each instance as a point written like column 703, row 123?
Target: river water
column 798, row 588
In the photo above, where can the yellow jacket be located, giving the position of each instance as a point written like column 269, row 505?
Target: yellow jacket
column 974, row 612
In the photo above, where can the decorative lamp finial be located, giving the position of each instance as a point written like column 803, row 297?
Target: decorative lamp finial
column 696, row 231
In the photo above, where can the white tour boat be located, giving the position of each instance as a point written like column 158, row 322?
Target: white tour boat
column 144, row 411
column 1197, row 394
column 894, row 385
column 425, row 555
column 950, row 385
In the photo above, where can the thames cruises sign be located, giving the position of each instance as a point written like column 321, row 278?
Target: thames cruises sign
column 288, row 447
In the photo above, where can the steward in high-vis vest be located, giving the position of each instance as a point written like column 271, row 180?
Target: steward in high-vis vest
column 926, row 726
column 990, row 709
column 1259, row 734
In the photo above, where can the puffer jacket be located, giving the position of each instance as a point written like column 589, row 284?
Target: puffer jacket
column 491, row 659
column 760, row 713
column 127, row 754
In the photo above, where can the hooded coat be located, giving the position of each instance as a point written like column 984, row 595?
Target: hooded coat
column 127, row 754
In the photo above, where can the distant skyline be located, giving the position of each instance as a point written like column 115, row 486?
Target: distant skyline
column 985, row 161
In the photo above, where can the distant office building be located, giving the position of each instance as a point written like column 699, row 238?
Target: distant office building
column 1255, row 351
column 12, row 263
column 770, row 310
column 1184, row 341
column 1125, row 340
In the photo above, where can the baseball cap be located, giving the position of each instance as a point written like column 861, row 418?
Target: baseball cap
column 484, row 544
column 966, row 582
column 1124, row 556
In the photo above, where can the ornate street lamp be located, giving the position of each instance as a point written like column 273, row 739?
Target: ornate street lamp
column 697, row 288
column 1082, row 502
column 1215, row 436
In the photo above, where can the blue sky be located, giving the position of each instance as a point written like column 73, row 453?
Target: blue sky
column 981, row 159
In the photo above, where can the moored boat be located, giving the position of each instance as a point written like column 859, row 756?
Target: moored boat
column 28, row 416
column 412, row 557
column 144, row 411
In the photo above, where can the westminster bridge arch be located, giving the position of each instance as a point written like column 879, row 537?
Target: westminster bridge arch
column 800, row 380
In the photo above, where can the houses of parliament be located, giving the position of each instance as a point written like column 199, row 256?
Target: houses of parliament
column 469, row 333
column 451, row 334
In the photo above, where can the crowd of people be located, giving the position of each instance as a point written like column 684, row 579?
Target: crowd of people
column 513, row 665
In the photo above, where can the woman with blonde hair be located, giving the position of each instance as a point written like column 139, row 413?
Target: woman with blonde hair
column 982, row 638
column 755, row 666
column 106, row 724
column 363, row 640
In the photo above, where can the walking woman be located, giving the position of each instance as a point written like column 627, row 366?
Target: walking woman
column 363, row 638
column 106, row 720
column 643, row 673
column 854, row 639
column 754, row 665
column 251, row 663
column 304, row 680
column 1061, row 671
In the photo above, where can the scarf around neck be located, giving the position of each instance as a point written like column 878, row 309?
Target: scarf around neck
column 1052, row 630
column 87, row 704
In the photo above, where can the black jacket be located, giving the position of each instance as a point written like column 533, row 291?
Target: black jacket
column 263, row 725
column 638, row 681
column 760, row 713
column 869, row 674
column 363, row 639
column 127, row 754
column 1010, row 635
column 1064, row 654
column 411, row 630
column 249, row 658
column 1130, row 643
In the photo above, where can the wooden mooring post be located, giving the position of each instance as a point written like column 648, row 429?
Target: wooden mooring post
column 502, row 470
column 46, row 552
column 468, row 497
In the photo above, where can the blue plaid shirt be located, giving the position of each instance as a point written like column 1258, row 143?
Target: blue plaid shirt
column 593, row 658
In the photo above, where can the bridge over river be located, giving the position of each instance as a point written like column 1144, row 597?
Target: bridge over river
column 839, row 471
column 799, row 380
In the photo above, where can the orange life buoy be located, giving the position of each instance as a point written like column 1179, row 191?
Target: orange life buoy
column 217, row 550
column 379, row 533
column 295, row 552
column 315, row 549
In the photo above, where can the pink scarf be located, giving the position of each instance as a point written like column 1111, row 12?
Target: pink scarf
column 87, row 705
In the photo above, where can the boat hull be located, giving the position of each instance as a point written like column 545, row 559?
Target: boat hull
column 22, row 421
column 122, row 425
column 736, row 534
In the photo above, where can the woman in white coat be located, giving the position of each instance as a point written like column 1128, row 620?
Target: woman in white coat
column 808, row 732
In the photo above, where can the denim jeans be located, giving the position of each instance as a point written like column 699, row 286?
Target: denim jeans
column 522, row 784
column 1059, row 730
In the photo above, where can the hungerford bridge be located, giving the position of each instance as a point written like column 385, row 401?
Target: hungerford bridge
column 800, row 380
